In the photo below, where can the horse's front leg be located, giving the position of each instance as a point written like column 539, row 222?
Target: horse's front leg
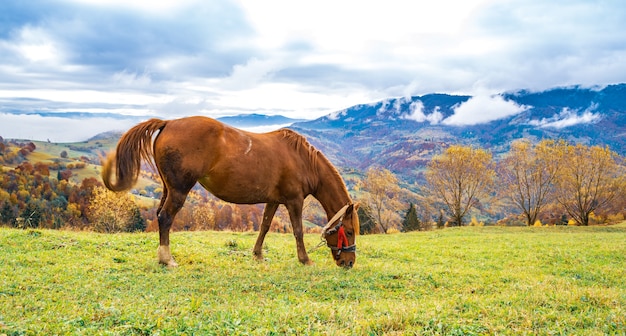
column 268, row 215
column 295, row 216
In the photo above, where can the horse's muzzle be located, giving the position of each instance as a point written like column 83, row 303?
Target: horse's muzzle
column 347, row 264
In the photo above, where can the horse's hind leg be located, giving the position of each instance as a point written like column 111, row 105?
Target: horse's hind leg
column 174, row 200
column 163, row 197
column 268, row 215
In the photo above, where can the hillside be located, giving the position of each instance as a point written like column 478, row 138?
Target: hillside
column 81, row 158
column 402, row 134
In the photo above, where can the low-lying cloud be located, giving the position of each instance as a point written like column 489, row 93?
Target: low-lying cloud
column 567, row 118
column 417, row 113
column 58, row 129
column 483, row 109
column 68, row 129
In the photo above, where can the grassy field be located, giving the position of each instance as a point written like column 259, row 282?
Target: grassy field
column 463, row 281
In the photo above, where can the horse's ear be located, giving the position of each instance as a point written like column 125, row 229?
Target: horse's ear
column 355, row 217
column 353, row 208
column 350, row 208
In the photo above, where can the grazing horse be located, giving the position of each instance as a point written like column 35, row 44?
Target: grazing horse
column 278, row 167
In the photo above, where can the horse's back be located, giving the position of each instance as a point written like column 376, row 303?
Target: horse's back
column 235, row 165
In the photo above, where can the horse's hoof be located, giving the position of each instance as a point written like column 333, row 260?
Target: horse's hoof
column 169, row 263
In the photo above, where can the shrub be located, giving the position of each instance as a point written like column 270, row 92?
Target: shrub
column 114, row 212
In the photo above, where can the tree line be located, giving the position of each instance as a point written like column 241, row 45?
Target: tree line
column 33, row 197
column 550, row 181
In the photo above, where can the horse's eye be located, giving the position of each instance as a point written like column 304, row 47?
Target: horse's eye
column 349, row 233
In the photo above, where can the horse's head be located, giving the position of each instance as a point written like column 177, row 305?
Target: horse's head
column 340, row 235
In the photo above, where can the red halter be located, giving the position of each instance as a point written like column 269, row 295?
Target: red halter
column 342, row 239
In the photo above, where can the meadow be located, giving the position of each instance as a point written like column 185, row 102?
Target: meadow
column 455, row 281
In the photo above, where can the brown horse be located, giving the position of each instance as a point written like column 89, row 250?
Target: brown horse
column 275, row 168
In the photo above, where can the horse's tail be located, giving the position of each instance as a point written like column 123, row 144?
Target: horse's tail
column 135, row 145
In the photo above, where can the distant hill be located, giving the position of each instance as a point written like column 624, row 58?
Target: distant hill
column 255, row 120
column 107, row 136
column 402, row 134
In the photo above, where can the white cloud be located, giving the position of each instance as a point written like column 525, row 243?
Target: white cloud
column 307, row 59
column 132, row 79
column 149, row 6
column 34, row 45
column 483, row 109
column 343, row 26
column 251, row 74
column 336, row 115
column 57, row 129
column 416, row 113
column 567, row 118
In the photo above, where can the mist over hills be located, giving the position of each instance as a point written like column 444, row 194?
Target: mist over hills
column 402, row 134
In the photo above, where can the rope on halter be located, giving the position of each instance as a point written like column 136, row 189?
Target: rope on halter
column 339, row 213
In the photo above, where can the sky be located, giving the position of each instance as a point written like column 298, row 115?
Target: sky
column 300, row 59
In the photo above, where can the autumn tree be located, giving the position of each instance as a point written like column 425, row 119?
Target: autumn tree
column 64, row 174
column 460, row 177
column 527, row 174
column 381, row 197
column 203, row 217
column 588, row 180
column 112, row 212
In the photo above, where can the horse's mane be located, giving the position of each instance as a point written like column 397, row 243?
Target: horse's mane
column 315, row 156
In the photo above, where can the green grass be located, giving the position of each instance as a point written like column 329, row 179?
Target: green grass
column 458, row 281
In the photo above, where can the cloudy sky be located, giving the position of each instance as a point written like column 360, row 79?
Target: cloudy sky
column 301, row 59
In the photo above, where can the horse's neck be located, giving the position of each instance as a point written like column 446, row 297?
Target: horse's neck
column 332, row 194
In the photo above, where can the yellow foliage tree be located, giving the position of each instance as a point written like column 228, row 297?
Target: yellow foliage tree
column 460, row 177
column 381, row 197
column 475, row 222
column 203, row 217
column 588, row 180
column 527, row 175
column 111, row 212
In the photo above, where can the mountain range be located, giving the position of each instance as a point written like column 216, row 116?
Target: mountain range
column 402, row 134
column 256, row 120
